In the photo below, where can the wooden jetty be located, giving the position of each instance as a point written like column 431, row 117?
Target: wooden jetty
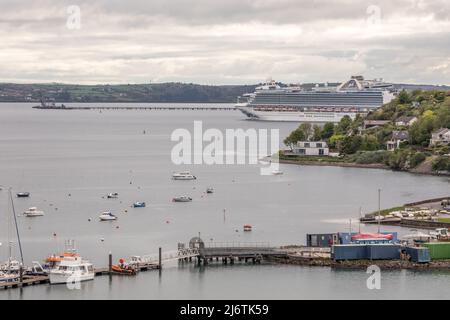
column 26, row 281
column 169, row 108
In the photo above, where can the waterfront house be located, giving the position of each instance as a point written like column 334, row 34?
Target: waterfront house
column 310, row 148
column 397, row 137
column 441, row 136
column 405, row 121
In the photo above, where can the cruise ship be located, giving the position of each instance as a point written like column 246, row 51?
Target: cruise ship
column 272, row 102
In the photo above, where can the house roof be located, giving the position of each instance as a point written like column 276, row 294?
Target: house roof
column 375, row 122
column 400, row 135
column 441, row 131
column 405, row 119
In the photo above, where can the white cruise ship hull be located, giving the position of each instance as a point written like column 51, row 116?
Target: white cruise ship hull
column 296, row 116
column 60, row 278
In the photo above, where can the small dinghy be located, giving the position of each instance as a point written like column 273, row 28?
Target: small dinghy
column 182, row 199
column 209, row 190
column 22, row 194
column 107, row 216
column 277, row 172
column 247, row 227
column 112, row 195
column 33, row 212
column 139, row 204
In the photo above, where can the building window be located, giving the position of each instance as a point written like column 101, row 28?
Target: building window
column 319, row 145
column 301, row 151
column 321, row 153
column 306, row 144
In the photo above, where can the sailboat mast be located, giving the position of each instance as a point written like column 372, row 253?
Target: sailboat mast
column 17, row 228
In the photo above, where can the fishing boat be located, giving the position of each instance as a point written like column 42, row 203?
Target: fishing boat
column 184, row 175
column 107, row 216
column 72, row 269
column 247, row 227
column 139, row 204
column 33, row 212
column 209, row 190
column 22, row 194
column 182, row 199
column 113, row 195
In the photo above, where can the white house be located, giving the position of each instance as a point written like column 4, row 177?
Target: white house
column 405, row 121
column 311, row 148
column 441, row 136
column 397, row 138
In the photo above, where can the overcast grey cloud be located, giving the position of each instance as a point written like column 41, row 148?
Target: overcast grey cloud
column 225, row 42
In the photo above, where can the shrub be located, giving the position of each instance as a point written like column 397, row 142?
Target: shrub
column 370, row 157
column 416, row 159
column 441, row 164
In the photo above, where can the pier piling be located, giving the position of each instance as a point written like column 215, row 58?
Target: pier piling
column 110, row 264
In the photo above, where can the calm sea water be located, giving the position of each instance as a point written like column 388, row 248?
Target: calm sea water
column 69, row 161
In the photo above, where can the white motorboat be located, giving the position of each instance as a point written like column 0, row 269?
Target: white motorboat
column 37, row 270
column 277, row 172
column 8, row 277
column 113, row 195
column 72, row 269
column 23, row 194
column 185, row 175
column 417, row 237
column 107, row 216
column 182, row 199
column 33, row 212
column 11, row 266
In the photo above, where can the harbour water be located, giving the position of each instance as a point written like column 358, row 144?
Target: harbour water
column 69, row 160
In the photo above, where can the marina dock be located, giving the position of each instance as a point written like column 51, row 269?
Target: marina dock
column 317, row 252
column 227, row 252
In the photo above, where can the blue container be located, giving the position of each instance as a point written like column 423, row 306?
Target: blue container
column 345, row 237
column 419, row 254
column 383, row 251
column 349, row 252
column 320, row 239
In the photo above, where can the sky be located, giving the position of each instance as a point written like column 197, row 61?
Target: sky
column 224, row 42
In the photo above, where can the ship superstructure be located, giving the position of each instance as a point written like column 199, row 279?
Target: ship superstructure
column 272, row 102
